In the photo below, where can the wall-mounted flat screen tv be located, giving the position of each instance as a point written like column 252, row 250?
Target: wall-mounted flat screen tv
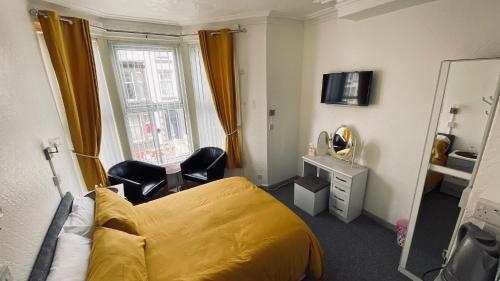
column 348, row 88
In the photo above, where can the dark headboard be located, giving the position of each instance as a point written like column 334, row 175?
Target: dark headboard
column 41, row 268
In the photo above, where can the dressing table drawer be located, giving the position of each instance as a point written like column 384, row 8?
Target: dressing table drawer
column 339, row 195
column 338, row 207
column 342, row 179
column 341, row 189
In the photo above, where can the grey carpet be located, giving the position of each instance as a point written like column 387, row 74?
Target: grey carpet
column 362, row 250
column 435, row 224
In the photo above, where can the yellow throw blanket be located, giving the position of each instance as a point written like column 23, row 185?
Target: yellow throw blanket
column 228, row 230
column 440, row 158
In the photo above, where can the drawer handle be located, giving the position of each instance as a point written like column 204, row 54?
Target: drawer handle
column 338, row 198
column 338, row 209
column 342, row 180
column 343, row 190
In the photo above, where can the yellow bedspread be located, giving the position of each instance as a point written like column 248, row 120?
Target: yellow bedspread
column 228, row 230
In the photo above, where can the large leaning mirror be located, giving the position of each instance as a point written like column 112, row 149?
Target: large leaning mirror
column 465, row 102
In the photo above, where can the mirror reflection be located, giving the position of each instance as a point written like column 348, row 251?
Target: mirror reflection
column 342, row 141
column 461, row 127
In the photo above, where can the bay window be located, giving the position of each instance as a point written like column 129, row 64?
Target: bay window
column 153, row 101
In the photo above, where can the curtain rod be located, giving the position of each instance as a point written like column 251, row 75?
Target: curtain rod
column 34, row 12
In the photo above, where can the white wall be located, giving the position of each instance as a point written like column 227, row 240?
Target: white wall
column 405, row 49
column 285, row 40
column 28, row 116
column 252, row 54
column 467, row 82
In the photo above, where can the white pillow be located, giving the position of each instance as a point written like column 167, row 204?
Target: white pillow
column 83, row 203
column 71, row 258
column 81, row 219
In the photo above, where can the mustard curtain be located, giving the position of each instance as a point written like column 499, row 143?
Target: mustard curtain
column 218, row 57
column 70, row 49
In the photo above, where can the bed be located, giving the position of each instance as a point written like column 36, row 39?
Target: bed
column 225, row 230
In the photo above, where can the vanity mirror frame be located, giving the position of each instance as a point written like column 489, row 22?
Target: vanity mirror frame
column 425, row 164
column 322, row 140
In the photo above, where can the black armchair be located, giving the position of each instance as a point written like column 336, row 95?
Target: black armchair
column 140, row 180
column 204, row 165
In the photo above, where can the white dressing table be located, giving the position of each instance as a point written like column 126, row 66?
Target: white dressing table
column 347, row 184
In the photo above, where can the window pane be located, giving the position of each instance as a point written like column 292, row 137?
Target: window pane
column 210, row 132
column 133, row 73
column 156, row 114
column 141, row 137
column 172, row 134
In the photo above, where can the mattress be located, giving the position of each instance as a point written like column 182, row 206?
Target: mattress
column 226, row 230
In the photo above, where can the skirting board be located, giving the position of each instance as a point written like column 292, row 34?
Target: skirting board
column 279, row 184
column 380, row 221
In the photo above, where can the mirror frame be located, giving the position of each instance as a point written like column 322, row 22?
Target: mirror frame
column 426, row 157
column 326, row 143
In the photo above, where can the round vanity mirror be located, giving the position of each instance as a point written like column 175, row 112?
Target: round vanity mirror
column 343, row 142
column 322, row 147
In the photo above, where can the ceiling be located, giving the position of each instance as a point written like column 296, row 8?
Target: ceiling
column 190, row 12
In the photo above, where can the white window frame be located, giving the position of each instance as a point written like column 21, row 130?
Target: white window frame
column 181, row 83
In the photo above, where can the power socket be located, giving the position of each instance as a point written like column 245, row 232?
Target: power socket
column 488, row 212
column 5, row 274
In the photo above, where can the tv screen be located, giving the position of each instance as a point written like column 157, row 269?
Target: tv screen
column 349, row 88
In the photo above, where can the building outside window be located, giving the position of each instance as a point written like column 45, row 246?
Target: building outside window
column 153, row 102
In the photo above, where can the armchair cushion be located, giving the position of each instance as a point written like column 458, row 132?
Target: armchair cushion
column 205, row 165
column 196, row 175
column 148, row 187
